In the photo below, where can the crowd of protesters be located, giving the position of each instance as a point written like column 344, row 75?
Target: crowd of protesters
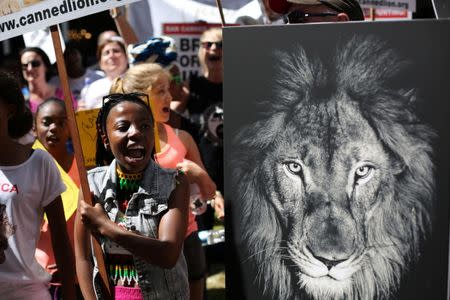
column 149, row 120
column 158, row 248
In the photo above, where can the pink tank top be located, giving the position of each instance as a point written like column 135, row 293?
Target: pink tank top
column 171, row 154
column 58, row 94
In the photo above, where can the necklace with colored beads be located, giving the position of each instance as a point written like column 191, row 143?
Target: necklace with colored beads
column 127, row 185
column 129, row 182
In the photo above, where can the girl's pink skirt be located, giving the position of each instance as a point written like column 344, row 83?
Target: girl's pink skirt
column 127, row 293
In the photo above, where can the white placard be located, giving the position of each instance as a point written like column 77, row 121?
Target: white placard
column 20, row 16
column 41, row 38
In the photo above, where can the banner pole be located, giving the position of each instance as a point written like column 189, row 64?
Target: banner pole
column 219, row 6
column 372, row 14
column 78, row 152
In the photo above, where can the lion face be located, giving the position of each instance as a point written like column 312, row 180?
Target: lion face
column 334, row 184
column 330, row 181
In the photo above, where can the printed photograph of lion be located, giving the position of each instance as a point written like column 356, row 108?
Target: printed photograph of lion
column 333, row 185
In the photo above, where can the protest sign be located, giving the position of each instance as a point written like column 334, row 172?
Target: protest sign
column 311, row 212
column 19, row 16
column 187, row 39
column 88, row 134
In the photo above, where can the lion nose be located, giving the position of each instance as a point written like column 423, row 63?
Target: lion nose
column 329, row 263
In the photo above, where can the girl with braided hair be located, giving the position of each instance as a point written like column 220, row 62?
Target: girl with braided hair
column 177, row 150
column 140, row 215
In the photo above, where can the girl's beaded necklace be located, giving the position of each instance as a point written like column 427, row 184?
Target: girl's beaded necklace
column 128, row 184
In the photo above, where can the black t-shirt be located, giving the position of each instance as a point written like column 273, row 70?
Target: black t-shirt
column 202, row 94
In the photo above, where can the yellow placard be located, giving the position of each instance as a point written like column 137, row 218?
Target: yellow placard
column 88, row 134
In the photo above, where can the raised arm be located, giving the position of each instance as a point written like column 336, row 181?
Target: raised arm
column 165, row 250
column 61, row 246
column 123, row 26
column 196, row 172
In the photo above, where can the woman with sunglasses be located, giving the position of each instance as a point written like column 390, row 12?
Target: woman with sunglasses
column 37, row 71
column 206, row 89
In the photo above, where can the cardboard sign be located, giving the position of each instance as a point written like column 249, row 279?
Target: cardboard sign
column 88, row 134
column 20, row 16
column 187, row 38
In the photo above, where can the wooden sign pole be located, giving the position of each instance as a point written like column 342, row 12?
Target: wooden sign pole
column 219, row 6
column 78, row 152
column 372, row 14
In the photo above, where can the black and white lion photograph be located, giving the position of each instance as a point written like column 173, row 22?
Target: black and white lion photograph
column 336, row 161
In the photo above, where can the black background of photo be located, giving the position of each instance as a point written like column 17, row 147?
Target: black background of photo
column 249, row 68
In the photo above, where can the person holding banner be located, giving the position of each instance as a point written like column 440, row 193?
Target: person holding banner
column 31, row 185
column 177, row 150
column 37, row 71
column 141, row 213
column 52, row 133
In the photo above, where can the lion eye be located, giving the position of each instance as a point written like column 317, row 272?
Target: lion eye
column 363, row 174
column 294, row 168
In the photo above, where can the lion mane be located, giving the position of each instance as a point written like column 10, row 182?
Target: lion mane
column 334, row 184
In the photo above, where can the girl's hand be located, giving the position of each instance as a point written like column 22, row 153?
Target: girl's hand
column 196, row 174
column 190, row 169
column 94, row 217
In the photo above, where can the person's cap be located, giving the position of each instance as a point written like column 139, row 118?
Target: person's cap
column 159, row 50
column 350, row 7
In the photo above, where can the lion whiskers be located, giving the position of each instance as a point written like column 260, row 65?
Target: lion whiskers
column 275, row 248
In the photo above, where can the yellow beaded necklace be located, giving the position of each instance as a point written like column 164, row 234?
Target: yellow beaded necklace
column 129, row 182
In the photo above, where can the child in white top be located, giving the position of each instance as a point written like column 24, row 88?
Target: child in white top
column 30, row 185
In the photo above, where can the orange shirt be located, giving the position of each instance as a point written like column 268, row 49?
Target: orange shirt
column 171, row 154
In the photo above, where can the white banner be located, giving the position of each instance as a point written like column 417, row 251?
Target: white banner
column 184, row 11
column 20, row 16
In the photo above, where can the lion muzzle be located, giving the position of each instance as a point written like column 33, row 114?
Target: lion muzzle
column 331, row 234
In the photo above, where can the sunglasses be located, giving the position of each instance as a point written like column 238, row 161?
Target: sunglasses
column 297, row 16
column 208, row 45
column 34, row 64
column 128, row 96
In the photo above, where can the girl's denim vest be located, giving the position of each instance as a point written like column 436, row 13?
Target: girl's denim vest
column 145, row 209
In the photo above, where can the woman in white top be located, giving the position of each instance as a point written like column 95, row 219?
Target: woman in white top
column 113, row 61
